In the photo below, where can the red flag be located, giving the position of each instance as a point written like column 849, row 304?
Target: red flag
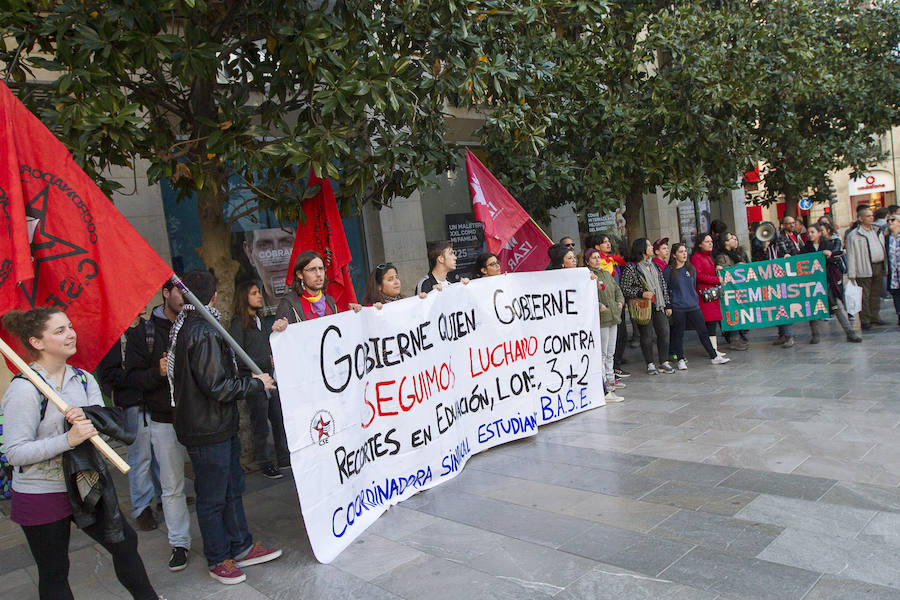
column 63, row 243
column 324, row 233
column 518, row 242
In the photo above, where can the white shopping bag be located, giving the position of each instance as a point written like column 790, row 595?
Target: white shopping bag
column 852, row 298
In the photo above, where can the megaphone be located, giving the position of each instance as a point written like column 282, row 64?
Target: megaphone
column 765, row 232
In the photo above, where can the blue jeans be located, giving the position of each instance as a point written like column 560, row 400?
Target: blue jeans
column 143, row 478
column 786, row 330
column 219, row 483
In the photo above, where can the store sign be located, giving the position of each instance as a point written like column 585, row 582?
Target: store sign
column 874, row 182
column 382, row 404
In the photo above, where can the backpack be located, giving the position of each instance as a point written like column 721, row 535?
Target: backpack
column 6, row 469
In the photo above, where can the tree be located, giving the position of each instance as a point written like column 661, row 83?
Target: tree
column 686, row 96
column 834, row 73
column 212, row 90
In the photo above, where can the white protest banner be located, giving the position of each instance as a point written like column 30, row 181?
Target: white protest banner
column 381, row 404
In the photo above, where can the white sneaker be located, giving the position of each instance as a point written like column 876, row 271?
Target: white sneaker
column 720, row 360
column 682, row 365
column 651, row 369
column 613, row 397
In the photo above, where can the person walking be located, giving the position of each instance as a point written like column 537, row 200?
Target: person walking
column 205, row 389
column 266, row 421
column 611, row 303
column 686, row 308
column 819, row 239
column 892, row 259
column 865, row 265
column 641, row 278
column 728, row 253
column 36, row 437
column 707, row 277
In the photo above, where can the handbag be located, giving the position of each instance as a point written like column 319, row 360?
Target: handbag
column 711, row 294
column 640, row 309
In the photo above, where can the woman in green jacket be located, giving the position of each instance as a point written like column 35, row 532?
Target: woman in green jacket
column 611, row 302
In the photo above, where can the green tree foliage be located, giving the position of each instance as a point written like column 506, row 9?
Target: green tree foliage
column 212, row 90
column 686, row 96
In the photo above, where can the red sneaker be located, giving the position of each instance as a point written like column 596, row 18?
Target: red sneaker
column 257, row 554
column 227, row 572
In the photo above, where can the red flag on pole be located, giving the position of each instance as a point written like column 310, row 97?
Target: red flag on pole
column 324, row 233
column 511, row 234
column 63, row 243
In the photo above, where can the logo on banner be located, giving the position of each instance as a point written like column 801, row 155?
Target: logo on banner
column 479, row 198
column 519, row 251
column 321, row 428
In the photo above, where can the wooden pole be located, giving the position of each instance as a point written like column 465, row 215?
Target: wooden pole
column 60, row 404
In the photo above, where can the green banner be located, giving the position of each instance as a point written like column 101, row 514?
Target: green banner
column 774, row 292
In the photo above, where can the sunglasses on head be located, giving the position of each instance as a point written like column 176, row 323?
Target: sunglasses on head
column 385, row 267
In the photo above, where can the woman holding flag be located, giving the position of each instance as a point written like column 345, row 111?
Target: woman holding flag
column 36, row 436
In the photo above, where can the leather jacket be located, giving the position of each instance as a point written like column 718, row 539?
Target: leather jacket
column 100, row 504
column 207, row 386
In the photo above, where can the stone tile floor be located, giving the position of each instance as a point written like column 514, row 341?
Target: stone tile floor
column 775, row 476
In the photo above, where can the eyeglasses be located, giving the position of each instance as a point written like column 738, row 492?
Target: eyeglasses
column 572, row 245
column 493, row 263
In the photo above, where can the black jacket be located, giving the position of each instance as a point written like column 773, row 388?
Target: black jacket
column 291, row 308
column 255, row 343
column 142, row 365
column 112, row 377
column 100, row 505
column 207, row 386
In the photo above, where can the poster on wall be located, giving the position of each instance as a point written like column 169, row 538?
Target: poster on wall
column 382, row 404
column 687, row 220
column 263, row 255
column 467, row 235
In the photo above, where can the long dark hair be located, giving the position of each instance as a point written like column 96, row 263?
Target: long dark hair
column 673, row 265
column 373, row 291
column 638, row 247
column 699, row 241
column 240, row 305
column 736, row 255
column 306, row 257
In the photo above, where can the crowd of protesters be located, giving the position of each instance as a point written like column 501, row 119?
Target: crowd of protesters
column 179, row 385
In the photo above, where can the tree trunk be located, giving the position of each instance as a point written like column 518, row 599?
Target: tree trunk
column 634, row 203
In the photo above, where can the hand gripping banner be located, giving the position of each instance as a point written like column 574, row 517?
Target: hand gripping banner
column 386, row 403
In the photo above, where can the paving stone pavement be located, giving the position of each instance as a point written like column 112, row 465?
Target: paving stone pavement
column 773, row 477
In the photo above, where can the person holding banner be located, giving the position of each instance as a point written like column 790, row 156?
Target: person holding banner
column 820, row 241
column 441, row 267
column 727, row 253
column 383, row 286
column 205, row 388
column 36, row 436
column 486, row 265
column 642, row 278
column 686, row 308
column 307, row 298
column 611, row 303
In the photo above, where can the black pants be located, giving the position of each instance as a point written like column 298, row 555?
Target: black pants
column 660, row 323
column 895, row 294
column 621, row 340
column 265, row 410
column 711, row 328
column 680, row 319
column 49, row 545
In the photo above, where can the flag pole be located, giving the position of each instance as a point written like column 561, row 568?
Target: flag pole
column 539, row 228
column 201, row 310
column 59, row 403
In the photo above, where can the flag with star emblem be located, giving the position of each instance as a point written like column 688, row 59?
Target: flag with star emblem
column 63, row 243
